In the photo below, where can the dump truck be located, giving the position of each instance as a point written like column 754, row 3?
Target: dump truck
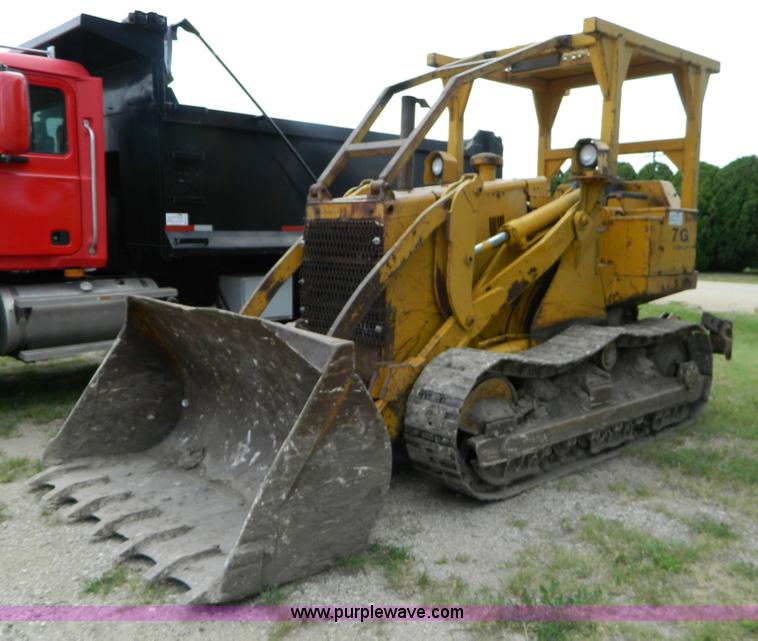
column 119, row 189
column 485, row 326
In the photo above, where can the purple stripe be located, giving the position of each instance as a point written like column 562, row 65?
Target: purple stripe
column 92, row 613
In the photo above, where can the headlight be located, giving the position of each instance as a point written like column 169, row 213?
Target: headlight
column 438, row 164
column 587, row 155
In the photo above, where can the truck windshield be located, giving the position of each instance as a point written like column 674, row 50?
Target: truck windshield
column 48, row 126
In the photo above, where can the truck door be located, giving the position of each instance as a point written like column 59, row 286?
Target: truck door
column 40, row 202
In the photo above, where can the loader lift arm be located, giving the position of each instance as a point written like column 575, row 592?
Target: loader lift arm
column 553, row 222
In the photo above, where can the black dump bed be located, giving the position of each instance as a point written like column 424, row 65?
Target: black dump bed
column 229, row 173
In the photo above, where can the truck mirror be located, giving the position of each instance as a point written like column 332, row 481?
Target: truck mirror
column 14, row 113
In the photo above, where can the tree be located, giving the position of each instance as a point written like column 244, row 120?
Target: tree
column 626, row 171
column 560, row 178
column 623, row 170
column 730, row 226
column 656, row 171
column 707, row 237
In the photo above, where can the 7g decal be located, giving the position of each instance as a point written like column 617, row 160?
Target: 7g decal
column 681, row 234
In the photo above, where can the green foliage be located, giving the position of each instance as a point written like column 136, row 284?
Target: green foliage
column 744, row 569
column 560, row 178
column 656, row 171
column 642, row 491
column 731, row 631
column 567, row 484
column 716, row 464
column 626, row 171
column 12, row 468
column 272, row 595
column 714, row 529
column 393, row 560
column 109, row 581
column 552, row 594
column 728, row 216
column 728, row 226
column 638, row 559
column 452, row 589
column 134, row 588
column 40, row 392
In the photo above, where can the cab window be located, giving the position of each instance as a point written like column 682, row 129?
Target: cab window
column 48, row 127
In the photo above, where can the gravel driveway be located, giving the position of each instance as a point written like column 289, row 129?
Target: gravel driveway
column 717, row 296
column 44, row 561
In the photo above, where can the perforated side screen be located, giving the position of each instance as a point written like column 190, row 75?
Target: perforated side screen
column 338, row 255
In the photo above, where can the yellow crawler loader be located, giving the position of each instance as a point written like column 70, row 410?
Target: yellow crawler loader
column 485, row 325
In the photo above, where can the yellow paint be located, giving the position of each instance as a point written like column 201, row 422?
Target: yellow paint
column 286, row 266
column 568, row 258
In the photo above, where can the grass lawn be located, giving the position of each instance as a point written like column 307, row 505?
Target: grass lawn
column 733, row 407
column 38, row 393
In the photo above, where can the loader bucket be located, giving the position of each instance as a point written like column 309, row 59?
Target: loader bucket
column 234, row 452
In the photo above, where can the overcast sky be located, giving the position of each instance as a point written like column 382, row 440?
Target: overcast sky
column 327, row 61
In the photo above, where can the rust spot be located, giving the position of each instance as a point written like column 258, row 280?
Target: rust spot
column 359, row 210
column 532, row 271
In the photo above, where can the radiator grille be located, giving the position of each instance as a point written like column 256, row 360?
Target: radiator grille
column 337, row 256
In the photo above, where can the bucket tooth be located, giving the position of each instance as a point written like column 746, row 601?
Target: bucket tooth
column 44, row 478
column 202, row 576
column 133, row 547
column 87, row 505
column 63, row 491
column 111, row 518
column 164, row 568
column 208, row 536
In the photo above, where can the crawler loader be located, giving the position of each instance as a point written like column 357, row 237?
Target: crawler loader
column 486, row 326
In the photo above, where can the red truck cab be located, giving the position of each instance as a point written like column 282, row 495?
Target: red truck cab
column 53, row 193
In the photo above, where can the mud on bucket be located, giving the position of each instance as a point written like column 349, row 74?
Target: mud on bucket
column 234, row 452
